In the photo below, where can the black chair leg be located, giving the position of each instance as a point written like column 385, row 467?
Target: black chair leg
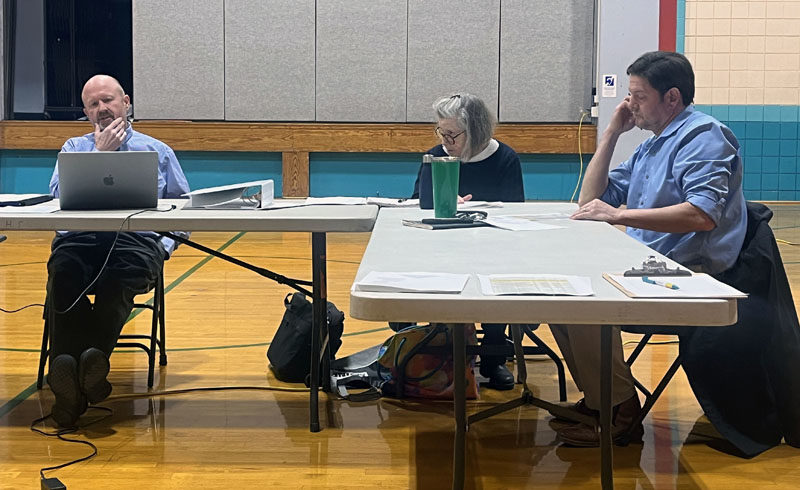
column 157, row 341
column 562, row 379
column 43, row 354
column 162, row 338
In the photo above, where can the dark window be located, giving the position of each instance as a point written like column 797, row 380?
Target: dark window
column 80, row 38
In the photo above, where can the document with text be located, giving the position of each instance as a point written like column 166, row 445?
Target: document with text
column 532, row 284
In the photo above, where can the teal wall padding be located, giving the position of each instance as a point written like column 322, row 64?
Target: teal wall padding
column 29, row 171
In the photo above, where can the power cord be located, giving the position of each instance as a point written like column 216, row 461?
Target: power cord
column 55, row 483
column 108, row 256
column 580, row 156
column 21, row 308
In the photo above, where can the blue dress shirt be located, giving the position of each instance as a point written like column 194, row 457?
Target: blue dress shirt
column 171, row 180
column 696, row 159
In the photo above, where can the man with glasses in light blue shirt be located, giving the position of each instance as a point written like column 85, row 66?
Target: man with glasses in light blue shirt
column 683, row 194
column 82, row 334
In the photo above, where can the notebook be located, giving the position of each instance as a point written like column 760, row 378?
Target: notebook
column 108, row 180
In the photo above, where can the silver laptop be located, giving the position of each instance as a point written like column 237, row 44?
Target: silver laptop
column 108, row 180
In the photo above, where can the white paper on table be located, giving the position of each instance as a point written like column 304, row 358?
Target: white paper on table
column 519, row 223
column 695, row 286
column 532, row 284
column 43, row 208
column 286, row 203
column 536, row 217
column 311, row 201
column 480, row 204
column 412, row 282
column 393, row 203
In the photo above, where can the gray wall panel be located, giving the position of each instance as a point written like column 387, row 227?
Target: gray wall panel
column 269, row 60
column 361, row 60
column 453, row 46
column 546, row 60
column 178, row 59
column 627, row 30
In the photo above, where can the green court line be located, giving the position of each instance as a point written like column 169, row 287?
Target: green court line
column 22, row 396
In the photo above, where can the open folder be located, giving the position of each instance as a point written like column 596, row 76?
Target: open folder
column 695, row 286
column 257, row 194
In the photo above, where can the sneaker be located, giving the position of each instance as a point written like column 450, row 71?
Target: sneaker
column 92, row 372
column 63, row 380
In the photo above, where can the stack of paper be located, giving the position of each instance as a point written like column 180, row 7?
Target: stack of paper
column 412, row 282
column 519, row 223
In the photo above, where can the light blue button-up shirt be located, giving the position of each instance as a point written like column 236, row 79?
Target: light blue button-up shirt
column 696, row 159
column 171, row 180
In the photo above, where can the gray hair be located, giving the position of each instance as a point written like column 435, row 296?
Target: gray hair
column 472, row 115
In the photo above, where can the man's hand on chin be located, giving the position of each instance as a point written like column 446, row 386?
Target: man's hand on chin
column 110, row 138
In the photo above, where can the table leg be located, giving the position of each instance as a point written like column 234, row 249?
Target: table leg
column 459, row 404
column 519, row 356
column 606, row 450
column 319, row 331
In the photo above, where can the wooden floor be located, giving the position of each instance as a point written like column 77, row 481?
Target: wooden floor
column 220, row 319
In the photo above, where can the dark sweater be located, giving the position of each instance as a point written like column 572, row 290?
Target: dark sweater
column 497, row 178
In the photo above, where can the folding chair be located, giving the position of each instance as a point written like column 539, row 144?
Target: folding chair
column 649, row 398
column 539, row 348
column 157, row 337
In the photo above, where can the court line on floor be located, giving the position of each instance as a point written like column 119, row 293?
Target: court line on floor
column 24, row 394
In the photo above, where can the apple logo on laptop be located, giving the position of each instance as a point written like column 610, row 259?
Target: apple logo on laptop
column 108, row 180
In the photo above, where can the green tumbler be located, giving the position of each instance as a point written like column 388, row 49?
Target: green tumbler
column 444, row 173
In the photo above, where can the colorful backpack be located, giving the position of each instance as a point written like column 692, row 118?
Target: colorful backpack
column 426, row 351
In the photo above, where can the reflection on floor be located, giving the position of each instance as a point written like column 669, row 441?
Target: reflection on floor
column 219, row 320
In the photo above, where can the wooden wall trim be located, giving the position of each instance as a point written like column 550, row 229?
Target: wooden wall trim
column 295, row 174
column 299, row 137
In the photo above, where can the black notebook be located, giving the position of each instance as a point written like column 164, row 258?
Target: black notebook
column 443, row 223
column 29, row 201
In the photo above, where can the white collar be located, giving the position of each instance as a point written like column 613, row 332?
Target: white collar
column 483, row 155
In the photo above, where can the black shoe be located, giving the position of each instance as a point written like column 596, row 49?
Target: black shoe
column 92, row 372
column 500, row 378
column 63, row 380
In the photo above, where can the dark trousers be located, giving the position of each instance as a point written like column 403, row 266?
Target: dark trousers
column 75, row 261
column 493, row 334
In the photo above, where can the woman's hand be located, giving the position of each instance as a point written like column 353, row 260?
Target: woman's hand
column 462, row 200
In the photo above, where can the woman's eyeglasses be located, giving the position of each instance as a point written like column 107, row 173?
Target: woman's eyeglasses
column 450, row 139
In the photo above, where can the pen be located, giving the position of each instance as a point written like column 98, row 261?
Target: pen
column 667, row 285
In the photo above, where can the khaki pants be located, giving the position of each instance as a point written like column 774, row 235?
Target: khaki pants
column 580, row 345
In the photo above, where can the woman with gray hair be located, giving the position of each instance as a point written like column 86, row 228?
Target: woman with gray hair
column 490, row 171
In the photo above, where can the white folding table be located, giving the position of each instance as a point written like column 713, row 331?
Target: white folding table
column 317, row 220
column 583, row 248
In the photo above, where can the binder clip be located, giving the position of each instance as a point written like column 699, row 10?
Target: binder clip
column 653, row 267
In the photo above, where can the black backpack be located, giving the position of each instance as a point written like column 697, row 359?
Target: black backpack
column 289, row 353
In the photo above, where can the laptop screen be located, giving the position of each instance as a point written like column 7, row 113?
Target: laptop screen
column 108, row 180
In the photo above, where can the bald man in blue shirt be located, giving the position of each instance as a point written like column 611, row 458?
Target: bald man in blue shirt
column 118, row 266
column 682, row 189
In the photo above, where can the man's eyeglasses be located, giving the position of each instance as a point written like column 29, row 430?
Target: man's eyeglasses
column 450, row 139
